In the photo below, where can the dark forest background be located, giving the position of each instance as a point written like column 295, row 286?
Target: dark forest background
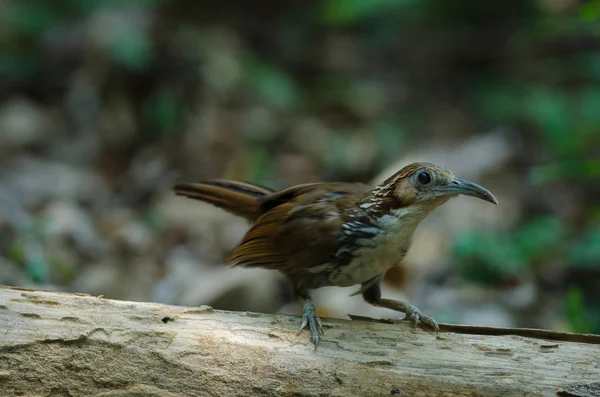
column 105, row 104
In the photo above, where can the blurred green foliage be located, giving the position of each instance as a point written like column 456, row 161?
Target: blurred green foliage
column 585, row 252
column 133, row 50
column 349, row 12
column 271, row 84
column 568, row 124
column 575, row 312
column 494, row 258
column 162, row 111
column 497, row 259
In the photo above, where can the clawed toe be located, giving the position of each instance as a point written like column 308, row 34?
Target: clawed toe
column 309, row 317
column 415, row 316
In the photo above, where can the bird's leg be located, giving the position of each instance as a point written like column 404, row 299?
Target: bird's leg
column 309, row 317
column 371, row 292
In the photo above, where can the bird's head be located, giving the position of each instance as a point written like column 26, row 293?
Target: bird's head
column 429, row 186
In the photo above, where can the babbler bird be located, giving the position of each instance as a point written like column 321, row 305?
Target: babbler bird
column 335, row 234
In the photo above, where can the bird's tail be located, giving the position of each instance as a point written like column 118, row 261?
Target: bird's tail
column 239, row 198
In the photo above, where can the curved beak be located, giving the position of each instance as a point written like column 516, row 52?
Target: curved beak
column 461, row 186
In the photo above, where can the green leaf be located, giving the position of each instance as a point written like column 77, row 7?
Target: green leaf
column 575, row 311
column 37, row 270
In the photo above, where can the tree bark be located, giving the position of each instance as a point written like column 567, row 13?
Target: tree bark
column 60, row 344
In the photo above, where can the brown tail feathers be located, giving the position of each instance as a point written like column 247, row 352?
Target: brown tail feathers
column 239, row 198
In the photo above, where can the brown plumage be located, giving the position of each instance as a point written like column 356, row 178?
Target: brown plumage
column 239, row 198
column 335, row 234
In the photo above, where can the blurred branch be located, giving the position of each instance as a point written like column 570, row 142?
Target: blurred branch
column 74, row 344
column 496, row 331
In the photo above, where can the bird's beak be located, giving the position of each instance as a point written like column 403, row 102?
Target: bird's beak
column 461, row 186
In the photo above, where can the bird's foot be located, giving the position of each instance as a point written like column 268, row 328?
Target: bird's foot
column 309, row 317
column 415, row 316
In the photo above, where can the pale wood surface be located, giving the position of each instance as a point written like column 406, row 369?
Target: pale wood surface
column 57, row 344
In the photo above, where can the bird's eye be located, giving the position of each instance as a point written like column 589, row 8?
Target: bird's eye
column 424, row 178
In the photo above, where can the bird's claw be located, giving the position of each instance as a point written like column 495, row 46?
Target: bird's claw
column 415, row 316
column 309, row 317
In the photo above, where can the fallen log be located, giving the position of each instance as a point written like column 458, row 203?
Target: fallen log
column 62, row 344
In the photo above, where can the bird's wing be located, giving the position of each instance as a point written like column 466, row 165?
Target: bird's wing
column 301, row 229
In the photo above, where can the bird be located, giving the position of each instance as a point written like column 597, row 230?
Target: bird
column 335, row 233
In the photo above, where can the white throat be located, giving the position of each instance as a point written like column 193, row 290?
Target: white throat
column 386, row 249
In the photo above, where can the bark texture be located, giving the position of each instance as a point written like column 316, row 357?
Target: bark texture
column 58, row 344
